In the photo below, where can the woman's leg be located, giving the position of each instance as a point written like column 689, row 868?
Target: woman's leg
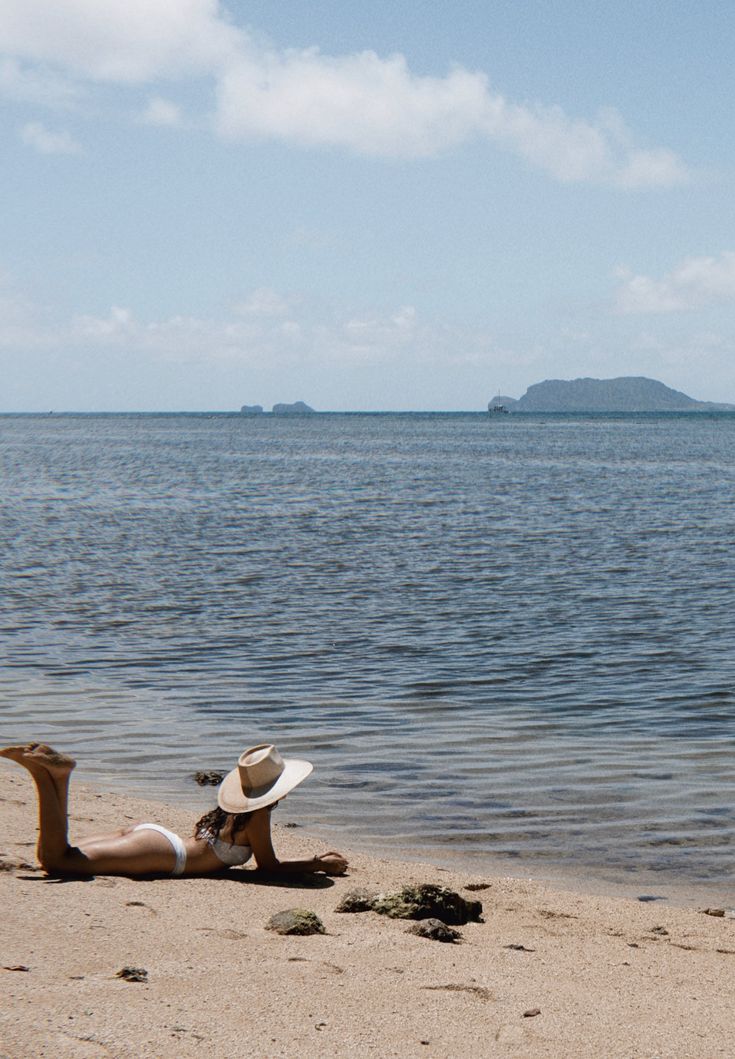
column 128, row 853
column 53, row 849
column 50, row 772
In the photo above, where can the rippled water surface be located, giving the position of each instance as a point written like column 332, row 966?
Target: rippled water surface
column 510, row 636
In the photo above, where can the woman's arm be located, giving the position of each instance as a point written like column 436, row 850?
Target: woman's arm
column 259, row 840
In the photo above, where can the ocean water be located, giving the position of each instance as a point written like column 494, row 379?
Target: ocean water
column 506, row 637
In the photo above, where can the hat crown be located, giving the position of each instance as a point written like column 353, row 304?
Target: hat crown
column 259, row 768
column 260, row 778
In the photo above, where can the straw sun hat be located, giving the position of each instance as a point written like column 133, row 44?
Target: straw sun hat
column 261, row 778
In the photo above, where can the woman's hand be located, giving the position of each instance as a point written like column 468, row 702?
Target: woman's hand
column 331, row 863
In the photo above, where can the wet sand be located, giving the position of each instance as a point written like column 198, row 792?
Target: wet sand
column 609, row 977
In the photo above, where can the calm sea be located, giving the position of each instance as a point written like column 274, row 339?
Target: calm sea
column 509, row 636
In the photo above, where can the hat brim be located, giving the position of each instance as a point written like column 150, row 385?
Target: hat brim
column 232, row 799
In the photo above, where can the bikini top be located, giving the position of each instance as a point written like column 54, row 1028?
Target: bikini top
column 227, row 853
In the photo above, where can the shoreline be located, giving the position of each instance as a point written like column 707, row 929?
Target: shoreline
column 610, row 977
column 575, row 877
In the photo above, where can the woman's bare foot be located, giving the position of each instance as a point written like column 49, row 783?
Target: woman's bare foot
column 42, row 754
column 54, row 761
column 16, row 753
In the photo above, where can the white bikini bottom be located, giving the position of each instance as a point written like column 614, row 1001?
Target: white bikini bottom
column 177, row 844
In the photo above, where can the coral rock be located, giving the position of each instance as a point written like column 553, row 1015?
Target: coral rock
column 434, row 929
column 428, row 902
column 209, row 778
column 359, row 900
column 295, row 921
column 133, row 974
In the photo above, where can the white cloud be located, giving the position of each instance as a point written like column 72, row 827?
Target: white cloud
column 360, row 102
column 253, row 336
column 574, row 150
column 162, row 112
column 329, row 339
column 43, row 140
column 376, row 106
column 25, row 85
column 119, row 323
column 376, row 339
column 326, row 343
column 368, row 104
column 124, row 41
column 263, row 302
column 658, row 167
column 694, row 284
column 366, row 334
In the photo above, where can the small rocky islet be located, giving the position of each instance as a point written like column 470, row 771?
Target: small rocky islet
column 298, row 408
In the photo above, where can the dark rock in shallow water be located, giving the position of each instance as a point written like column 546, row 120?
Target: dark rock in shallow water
column 209, row 778
column 428, row 902
column 359, row 900
column 295, row 921
column 435, row 930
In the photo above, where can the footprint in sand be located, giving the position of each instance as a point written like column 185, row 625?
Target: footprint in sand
column 510, row 1034
column 231, row 935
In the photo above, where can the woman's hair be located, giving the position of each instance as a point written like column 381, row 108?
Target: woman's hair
column 210, row 825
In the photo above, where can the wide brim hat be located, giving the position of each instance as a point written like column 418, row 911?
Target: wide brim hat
column 261, row 777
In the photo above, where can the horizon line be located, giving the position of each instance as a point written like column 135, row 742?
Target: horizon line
column 50, row 413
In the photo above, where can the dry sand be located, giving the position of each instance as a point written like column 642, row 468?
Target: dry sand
column 609, row 977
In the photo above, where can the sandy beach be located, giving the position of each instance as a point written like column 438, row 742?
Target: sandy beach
column 605, row 977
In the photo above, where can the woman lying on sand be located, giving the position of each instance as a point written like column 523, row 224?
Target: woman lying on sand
column 239, row 828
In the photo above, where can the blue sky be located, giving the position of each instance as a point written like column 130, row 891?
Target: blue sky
column 363, row 206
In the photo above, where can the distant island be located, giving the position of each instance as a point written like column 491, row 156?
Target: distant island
column 298, row 408
column 631, row 393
